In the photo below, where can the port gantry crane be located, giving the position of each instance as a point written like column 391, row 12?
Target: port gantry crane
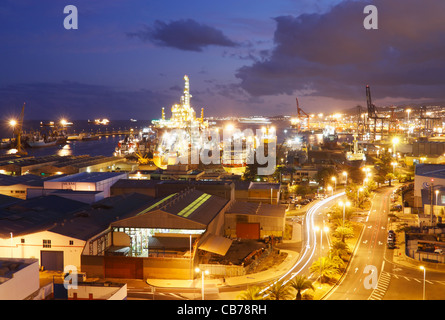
column 300, row 115
column 18, row 127
column 372, row 114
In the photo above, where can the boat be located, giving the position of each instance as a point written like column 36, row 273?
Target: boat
column 5, row 143
column 103, row 122
column 356, row 157
column 255, row 119
column 88, row 137
column 133, row 120
column 41, row 142
column 330, row 138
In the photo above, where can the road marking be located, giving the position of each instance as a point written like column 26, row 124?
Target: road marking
column 407, row 278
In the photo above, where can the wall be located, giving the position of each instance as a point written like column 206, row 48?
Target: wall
column 24, row 282
column 33, row 244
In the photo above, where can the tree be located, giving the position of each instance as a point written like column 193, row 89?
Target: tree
column 343, row 232
column 324, row 268
column 324, row 176
column 278, row 291
column 340, row 249
column 384, row 168
column 300, row 283
column 252, row 293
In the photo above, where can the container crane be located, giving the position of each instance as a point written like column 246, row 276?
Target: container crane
column 300, row 115
column 18, row 127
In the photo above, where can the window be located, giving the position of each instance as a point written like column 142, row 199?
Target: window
column 47, row 243
column 22, row 240
column 71, row 242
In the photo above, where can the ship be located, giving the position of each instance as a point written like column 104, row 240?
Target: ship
column 40, row 142
column 254, row 120
column 356, row 157
column 103, row 122
column 330, row 138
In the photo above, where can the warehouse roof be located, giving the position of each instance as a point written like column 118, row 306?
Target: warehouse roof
column 191, row 209
column 97, row 218
column 431, row 170
column 36, row 214
column 88, row 176
column 257, row 208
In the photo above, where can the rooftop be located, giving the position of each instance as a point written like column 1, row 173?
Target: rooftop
column 430, row 170
column 88, row 176
column 257, row 208
column 36, row 214
column 98, row 217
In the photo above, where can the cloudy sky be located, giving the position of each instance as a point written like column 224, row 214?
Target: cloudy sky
column 244, row 57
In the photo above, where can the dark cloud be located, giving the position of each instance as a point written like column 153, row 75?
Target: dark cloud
column 333, row 55
column 50, row 101
column 186, row 35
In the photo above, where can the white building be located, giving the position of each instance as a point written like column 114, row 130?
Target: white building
column 88, row 187
column 19, row 278
column 54, row 230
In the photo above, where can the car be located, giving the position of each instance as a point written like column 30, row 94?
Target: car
column 438, row 250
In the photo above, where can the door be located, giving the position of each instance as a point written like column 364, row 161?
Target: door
column 248, row 230
column 51, row 260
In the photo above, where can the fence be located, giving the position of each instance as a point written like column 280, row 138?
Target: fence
column 223, row 270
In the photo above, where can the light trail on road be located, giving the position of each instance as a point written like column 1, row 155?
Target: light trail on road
column 311, row 241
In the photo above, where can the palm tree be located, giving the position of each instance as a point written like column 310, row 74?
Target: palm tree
column 324, row 268
column 340, row 249
column 252, row 293
column 278, row 291
column 301, row 283
column 343, row 232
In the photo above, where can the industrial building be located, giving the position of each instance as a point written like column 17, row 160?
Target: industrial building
column 165, row 240
column 88, row 187
column 249, row 220
column 54, row 230
column 428, row 177
column 18, row 186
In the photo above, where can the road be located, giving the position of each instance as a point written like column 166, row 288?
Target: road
column 363, row 276
column 308, row 253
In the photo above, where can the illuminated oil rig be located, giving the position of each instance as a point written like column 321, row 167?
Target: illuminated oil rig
column 183, row 114
column 172, row 143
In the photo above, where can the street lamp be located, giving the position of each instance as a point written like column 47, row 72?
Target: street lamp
column 329, row 188
column 424, row 276
column 346, row 177
column 202, row 280
column 344, row 204
column 394, row 142
column 335, row 182
column 394, row 164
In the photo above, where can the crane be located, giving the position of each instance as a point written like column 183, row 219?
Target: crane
column 18, row 126
column 300, row 113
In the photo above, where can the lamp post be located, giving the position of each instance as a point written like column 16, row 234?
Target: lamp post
column 335, row 182
column 394, row 142
column 344, row 204
column 202, row 280
column 424, row 276
column 345, row 173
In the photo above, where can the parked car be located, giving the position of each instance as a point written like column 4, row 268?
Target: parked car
column 438, row 250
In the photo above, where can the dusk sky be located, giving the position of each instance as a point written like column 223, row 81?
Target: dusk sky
column 127, row 58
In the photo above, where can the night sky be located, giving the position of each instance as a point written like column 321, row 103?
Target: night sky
column 243, row 57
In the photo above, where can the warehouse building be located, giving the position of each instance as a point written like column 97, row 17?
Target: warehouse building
column 165, row 240
column 250, row 220
column 54, row 230
column 87, row 187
